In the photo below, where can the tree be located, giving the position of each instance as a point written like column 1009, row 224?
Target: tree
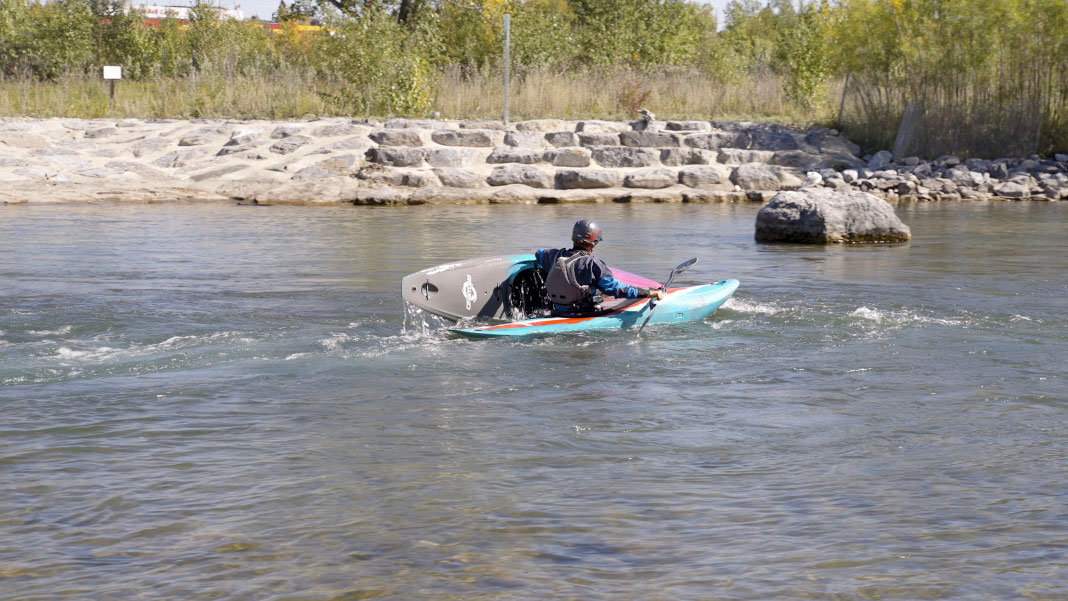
column 298, row 10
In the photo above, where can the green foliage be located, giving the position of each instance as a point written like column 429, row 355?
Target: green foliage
column 543, row 33
column 648, row 33
column 801, row 53
column 383, row 64
column 297, row 10
column 468, row 36
column 989, row 75
column 45, row 40
column 984, row 71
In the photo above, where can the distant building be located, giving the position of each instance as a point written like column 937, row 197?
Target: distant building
column 182, row 13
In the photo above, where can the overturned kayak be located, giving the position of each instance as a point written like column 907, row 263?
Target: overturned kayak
column 679, row 305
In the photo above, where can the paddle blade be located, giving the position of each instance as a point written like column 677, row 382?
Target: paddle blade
column 647, row 316
column 674, row 272
column 684, row 266
column 681, row 268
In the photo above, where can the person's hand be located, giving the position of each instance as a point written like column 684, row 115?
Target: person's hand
column 657, row 294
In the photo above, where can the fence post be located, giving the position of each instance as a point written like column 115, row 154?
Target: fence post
column 507, row 61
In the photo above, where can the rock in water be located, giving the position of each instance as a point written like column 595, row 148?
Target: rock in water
column 823, row 216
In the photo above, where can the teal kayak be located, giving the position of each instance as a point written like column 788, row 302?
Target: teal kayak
column 679, row 305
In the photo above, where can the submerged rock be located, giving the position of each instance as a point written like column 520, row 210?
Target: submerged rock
column 823, row 216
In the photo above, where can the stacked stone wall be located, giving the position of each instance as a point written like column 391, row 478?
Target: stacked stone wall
column 428, row 161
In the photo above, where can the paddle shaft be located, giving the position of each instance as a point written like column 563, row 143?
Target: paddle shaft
column 674, row 272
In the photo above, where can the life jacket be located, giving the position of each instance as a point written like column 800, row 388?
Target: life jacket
column 562, row 282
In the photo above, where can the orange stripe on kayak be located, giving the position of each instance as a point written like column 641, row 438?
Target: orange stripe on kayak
column 555, row 321
column 566, row 320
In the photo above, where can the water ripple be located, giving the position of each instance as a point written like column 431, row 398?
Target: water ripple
column 264, row 419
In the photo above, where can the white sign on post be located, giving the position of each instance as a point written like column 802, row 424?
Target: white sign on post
column 111, row 73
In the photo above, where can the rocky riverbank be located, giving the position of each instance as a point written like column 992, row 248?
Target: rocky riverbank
column 403, row 161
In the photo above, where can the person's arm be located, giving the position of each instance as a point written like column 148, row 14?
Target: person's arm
column 613, row 287
column 539, row 256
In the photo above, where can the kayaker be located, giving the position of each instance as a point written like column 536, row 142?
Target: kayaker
column 577, row 280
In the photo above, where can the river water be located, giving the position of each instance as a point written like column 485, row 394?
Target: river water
column 232, row 402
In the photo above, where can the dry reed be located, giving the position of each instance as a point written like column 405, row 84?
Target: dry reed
column 295, row 94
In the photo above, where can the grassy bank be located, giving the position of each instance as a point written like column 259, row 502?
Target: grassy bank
column 300, row 93
column 974, row 77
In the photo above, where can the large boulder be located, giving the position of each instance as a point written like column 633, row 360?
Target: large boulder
column 513, row 173
column 650, row 178
column 29, row 141
column 648, row 139
column 757, row 176
column 396, row 156
column 771, row 140
column 598, row 139
column 285, row 131
column 702, row 177
column 739, row 156
column 458, row 178
column 674, row 157
column 688, row 126
column 464, row 137
column 397, row 137
column 334, row 166
column 798, row 159
column 623, row 156
column 180, row 158
column 416, row 124
column 153, row 145
column 542, row 125
column 289, row 144
column 1013, row 189
column 560, row 138
column 202, row 136
column 527, row 139
column 337, row 129
column 712, row 141
column 569, row 157
column 602, row 127
column 508, row 154
column 448, row 157
column 823, row 216
column 489, row 124
column 244, row 137
column 880, row 160
column 571, row 179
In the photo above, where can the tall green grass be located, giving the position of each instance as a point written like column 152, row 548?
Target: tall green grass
column 289, row 94
column 985, row 77
column 299, row 93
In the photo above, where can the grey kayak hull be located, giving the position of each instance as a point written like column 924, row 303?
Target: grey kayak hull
column 482, row 288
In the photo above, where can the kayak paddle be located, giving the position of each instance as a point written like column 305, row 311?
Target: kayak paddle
column 674, row 272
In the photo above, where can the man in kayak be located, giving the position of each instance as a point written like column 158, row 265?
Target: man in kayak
column 577, row 280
